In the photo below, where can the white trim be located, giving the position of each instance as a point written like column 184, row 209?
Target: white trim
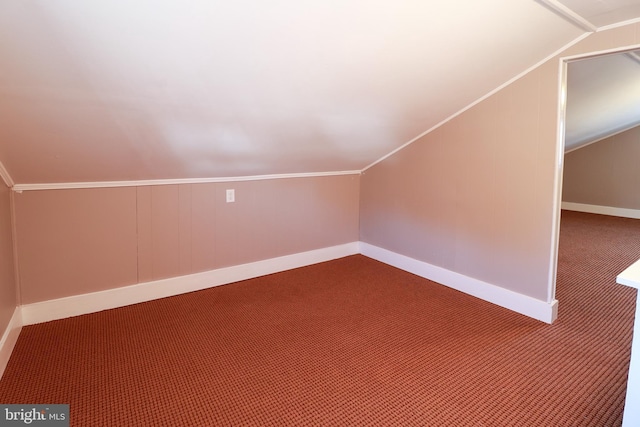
column 569, row 15
column 631, row 416
column 630, row 277
column 119, row 297
column 619, row 24
column 633, row 56
column 76, row 305
column 479, row 100
column 558, row 174
column 631, row 412
column 602, row 210
column 9, row 339
column 523, row 304
column 14, row 246
column 4, row 174
column 597, row 53
column 109, row 184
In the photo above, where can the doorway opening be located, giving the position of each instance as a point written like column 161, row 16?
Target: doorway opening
column 599, row 101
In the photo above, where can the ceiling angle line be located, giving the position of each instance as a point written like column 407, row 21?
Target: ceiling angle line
column 4, row 174
column 569, row 15
column 633, row 56
column 19, row 188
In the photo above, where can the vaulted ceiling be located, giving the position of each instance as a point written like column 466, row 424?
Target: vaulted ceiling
column 603, row 97
column 147, row 89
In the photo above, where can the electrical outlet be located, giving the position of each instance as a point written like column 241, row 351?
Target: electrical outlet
column 231, row 196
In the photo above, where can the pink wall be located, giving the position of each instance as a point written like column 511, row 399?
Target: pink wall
column 8, row 299
column 605, row 173
column 78, row 241
column 476, row 196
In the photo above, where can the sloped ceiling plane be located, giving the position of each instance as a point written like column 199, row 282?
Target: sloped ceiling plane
column 142, row 89
column 603, row 98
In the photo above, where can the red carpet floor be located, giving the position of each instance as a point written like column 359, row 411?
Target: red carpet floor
column 348, row 342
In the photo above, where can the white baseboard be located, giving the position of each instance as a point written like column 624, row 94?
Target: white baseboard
column 602, row 210
column 97, row 301
column 540, row 310
column 9, row 339
column 119, row 297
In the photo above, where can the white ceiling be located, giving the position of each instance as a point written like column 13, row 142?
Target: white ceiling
column 149, row 89
column 603, row 93
column 603, row 98
column 601, row 13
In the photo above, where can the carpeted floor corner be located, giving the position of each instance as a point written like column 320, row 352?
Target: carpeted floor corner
column 348, row 342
